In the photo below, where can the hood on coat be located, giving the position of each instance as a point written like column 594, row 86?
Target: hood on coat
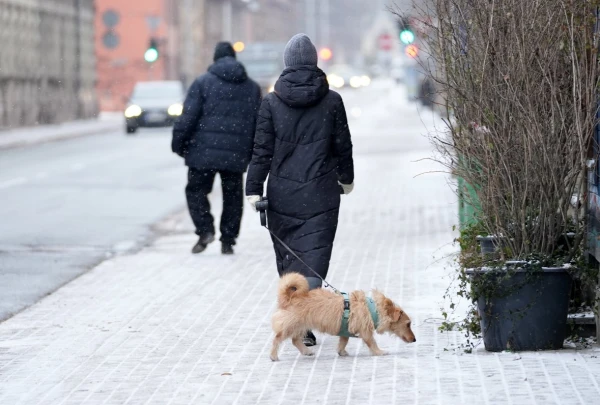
column 302, row 86
column 229, row 69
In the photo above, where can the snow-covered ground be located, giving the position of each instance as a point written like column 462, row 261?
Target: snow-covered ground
column 17, row 137
column 165, row 327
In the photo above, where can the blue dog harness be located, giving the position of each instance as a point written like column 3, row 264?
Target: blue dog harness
column 346, row 315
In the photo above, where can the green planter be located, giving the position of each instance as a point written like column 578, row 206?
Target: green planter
column 468, row 204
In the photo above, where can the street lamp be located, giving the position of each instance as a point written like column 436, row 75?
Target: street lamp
column 239, row 46
column 325, row 54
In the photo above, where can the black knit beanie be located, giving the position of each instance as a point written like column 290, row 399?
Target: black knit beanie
column 222, row 50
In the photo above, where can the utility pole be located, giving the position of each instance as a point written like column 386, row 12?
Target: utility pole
column 325, row 24
column 227, row 12
column 311, row 19
column 77, row 81
column 190, row 47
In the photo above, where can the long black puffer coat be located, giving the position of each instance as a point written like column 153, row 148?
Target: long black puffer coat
column 216, row 129
column 303, row 144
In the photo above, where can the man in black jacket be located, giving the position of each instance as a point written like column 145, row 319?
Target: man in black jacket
column 215, row 134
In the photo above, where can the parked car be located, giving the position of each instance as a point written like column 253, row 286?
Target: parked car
column 154, row 104
column 340, row 76
column 427, row 92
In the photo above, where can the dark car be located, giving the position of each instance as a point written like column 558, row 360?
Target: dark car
column 427, row 92
column 154, row 104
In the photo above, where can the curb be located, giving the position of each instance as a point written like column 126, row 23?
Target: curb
column 23, row 142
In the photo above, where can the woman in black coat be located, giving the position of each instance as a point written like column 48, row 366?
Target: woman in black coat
column 303, row 144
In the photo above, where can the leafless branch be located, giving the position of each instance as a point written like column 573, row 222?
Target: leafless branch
column 519, row 84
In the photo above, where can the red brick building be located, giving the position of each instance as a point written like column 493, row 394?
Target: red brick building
column 187, row 30
column 123, row 32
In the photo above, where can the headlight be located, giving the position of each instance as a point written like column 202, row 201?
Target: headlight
column 355, row 82
column 336, row 81
column 133, row 111
column 365, row 80
column 271, row 89
column 175, row 109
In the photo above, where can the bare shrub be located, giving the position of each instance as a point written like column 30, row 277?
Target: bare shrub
column 519, row 80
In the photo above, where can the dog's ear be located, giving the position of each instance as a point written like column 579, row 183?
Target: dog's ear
column 393, row 311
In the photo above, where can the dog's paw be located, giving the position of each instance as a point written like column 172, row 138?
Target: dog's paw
column 379, row 353
column 274, row 358
column 343, row 353
column 309, row 353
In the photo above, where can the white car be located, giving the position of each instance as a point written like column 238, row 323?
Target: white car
column 154, row 104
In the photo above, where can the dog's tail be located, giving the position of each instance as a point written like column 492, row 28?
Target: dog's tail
column 291, row 285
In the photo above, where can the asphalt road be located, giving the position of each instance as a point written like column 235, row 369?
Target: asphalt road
column 67, row 205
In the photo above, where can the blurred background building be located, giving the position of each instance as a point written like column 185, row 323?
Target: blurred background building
column 69, row 59
column 47, row 62
column 124, row 30
column 187, row 30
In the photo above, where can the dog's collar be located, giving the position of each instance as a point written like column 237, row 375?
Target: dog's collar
column 346, row 315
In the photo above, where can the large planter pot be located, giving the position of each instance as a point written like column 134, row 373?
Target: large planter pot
column 488, row 245
column 528, row 311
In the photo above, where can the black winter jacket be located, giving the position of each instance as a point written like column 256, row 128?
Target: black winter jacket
column 216, row 129
column 303, row 144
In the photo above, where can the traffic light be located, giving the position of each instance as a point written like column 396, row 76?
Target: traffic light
column 412, row 51
column 151, row 54
column 407, row 34
column 407, row 37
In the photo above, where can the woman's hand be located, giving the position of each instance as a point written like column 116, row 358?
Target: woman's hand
column 347, row 187
column 252, row 200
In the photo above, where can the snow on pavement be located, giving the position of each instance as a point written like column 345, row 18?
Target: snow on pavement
column 165, row 327
column 23, row 136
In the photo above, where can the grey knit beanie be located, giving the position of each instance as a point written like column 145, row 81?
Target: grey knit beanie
column 300, row 51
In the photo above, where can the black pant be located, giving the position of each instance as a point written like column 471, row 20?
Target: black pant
column 200, row 183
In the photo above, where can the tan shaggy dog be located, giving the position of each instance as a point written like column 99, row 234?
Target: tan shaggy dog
column 299, row 310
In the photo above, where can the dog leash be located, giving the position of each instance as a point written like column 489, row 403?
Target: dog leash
column 301, row 261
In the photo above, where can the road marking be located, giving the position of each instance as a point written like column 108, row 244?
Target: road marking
column 13, row 182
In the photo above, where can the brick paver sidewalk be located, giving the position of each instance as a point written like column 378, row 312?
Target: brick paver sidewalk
column 165, row 327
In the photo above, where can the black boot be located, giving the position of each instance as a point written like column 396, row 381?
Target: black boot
column 203, row 242
column 309, row 339
column 226, row 249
